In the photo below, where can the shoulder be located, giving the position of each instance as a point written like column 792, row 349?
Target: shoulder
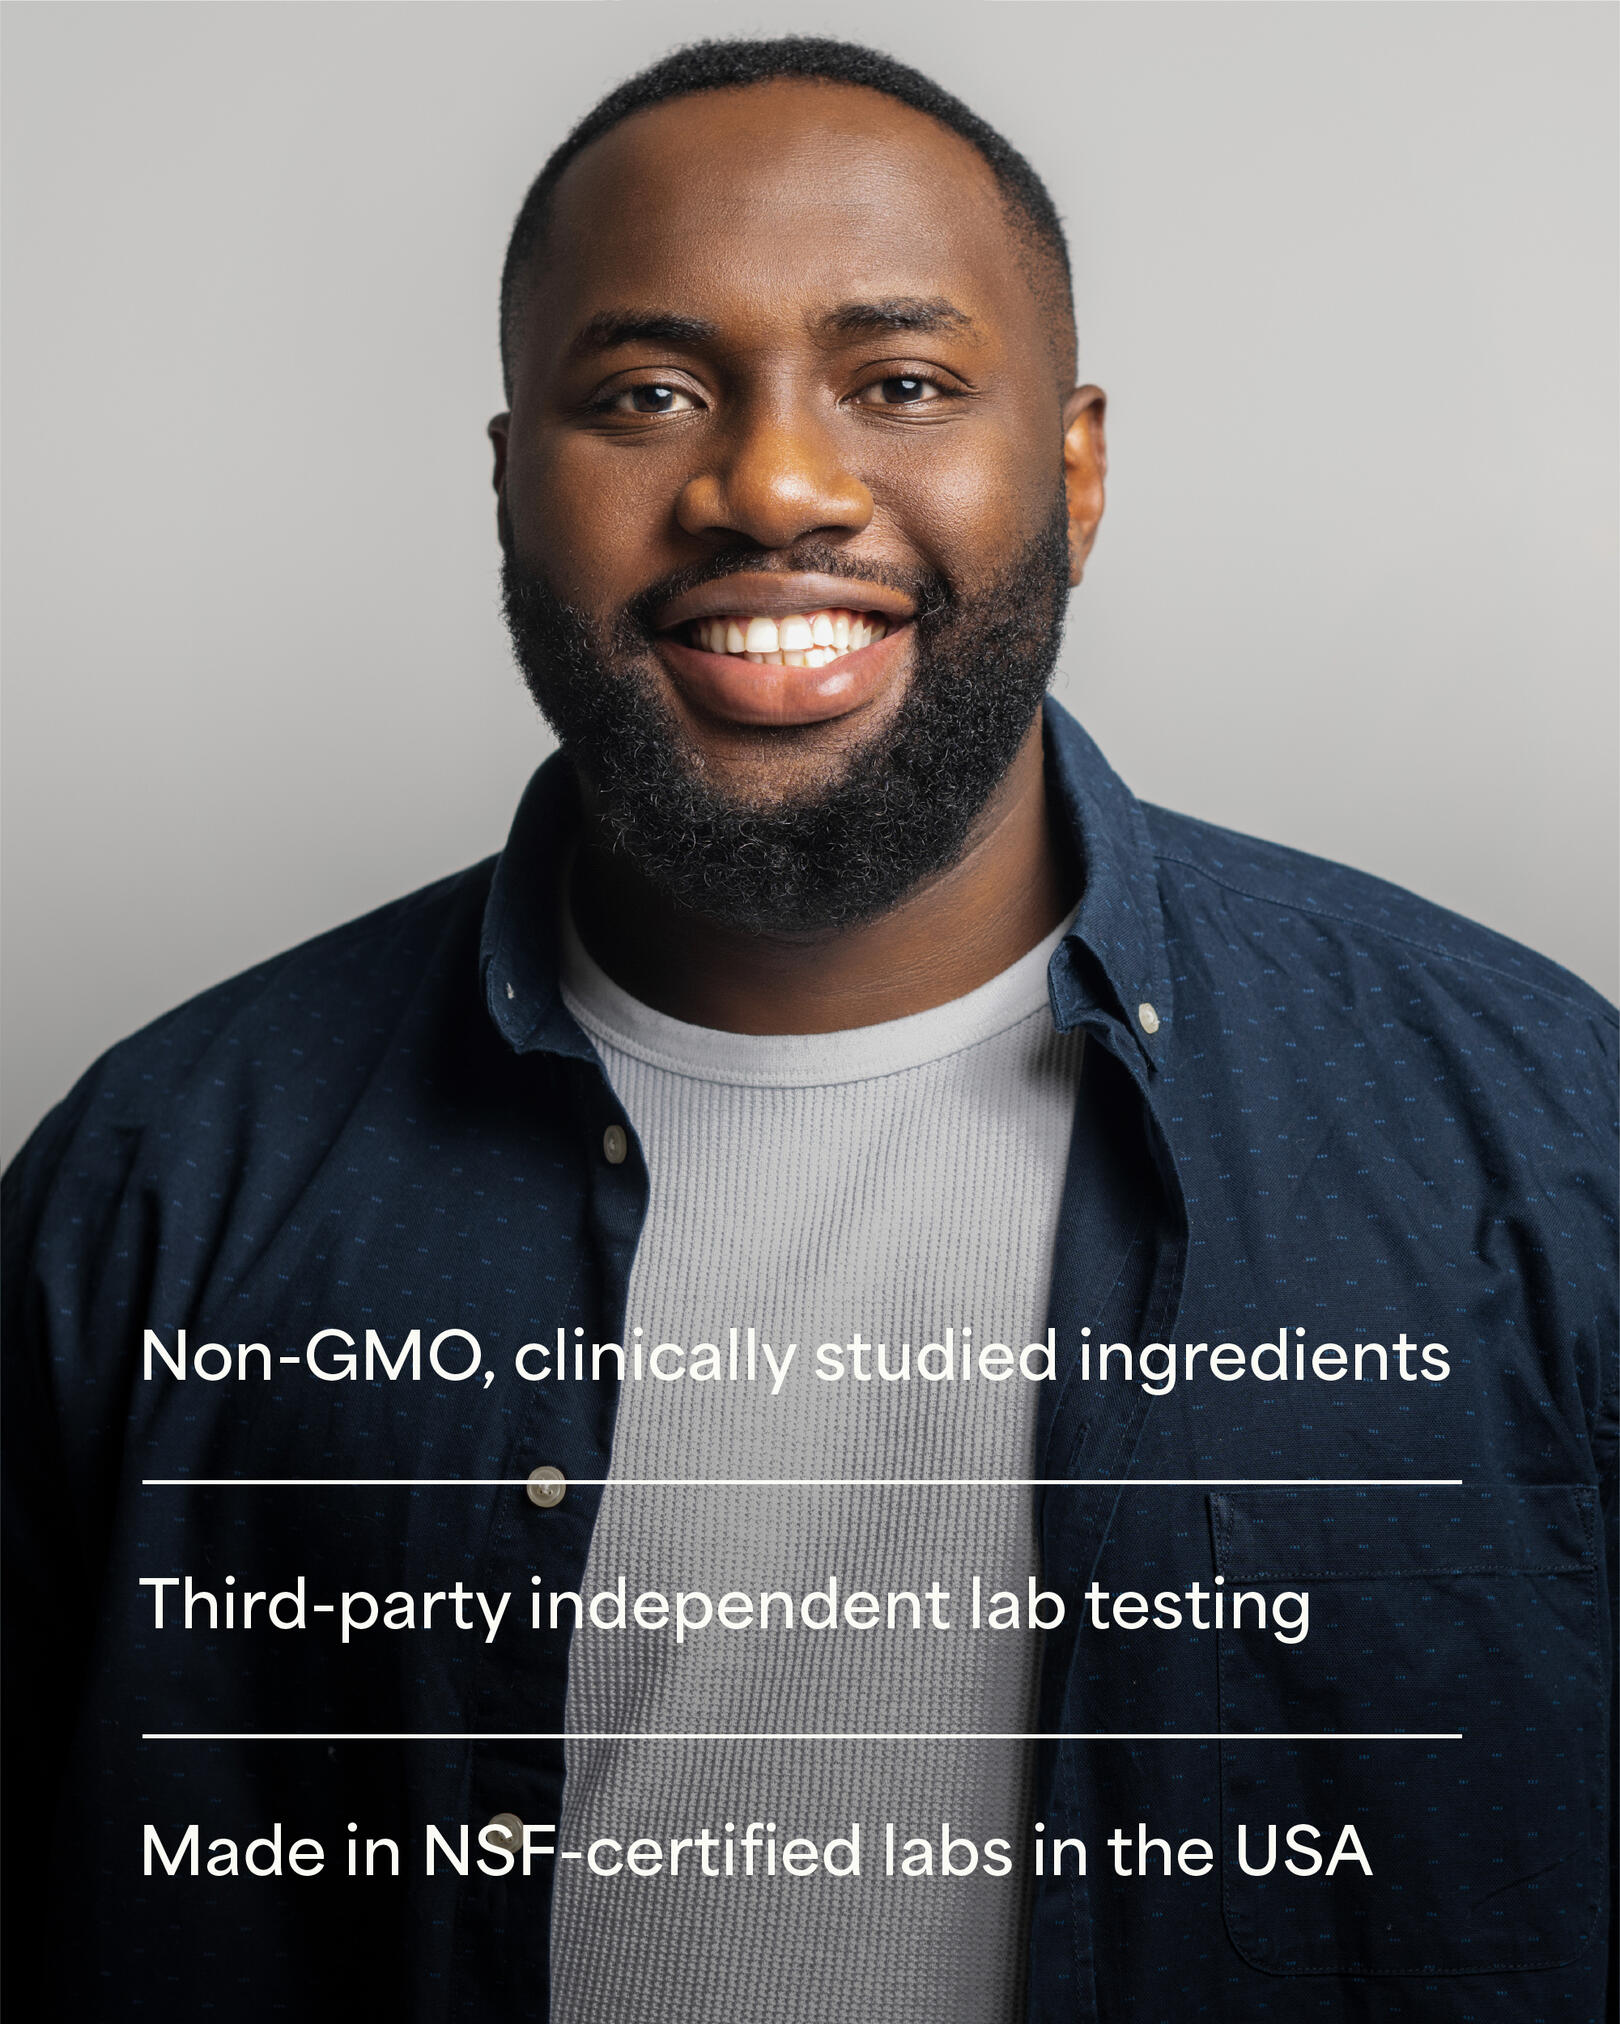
column 301, row 1024
column 1319, row 915
column 1431, row 1051
column 1300, row 975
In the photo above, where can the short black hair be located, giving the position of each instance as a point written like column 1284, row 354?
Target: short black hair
column 724, row 65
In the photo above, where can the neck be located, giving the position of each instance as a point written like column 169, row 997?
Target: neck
column 1007, row 891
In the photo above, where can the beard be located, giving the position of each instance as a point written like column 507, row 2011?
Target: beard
column 898, row 812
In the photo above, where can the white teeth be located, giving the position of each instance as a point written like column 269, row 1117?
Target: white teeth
column 796, row 640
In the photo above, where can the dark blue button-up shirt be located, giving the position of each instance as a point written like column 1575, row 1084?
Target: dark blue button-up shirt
column 1345, row 1119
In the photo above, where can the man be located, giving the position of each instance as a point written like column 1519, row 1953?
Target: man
column 1028, row 1381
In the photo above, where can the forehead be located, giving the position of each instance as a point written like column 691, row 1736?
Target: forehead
column 792, row 185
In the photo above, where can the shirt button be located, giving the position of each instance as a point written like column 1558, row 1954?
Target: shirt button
column 1148, row 1017
column 545, row 1486
column 507, row 1830
column 615, row 1145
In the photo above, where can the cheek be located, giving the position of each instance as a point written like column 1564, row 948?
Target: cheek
column 972, row 504
column 593, row 518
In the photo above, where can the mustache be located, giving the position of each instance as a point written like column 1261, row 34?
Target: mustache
column 931, row 592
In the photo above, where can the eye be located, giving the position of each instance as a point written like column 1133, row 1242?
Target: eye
column 900, row 390
column 650, row 400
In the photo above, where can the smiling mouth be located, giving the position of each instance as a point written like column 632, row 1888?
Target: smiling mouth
column 809, row 639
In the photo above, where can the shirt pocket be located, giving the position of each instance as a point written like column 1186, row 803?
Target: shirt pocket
column 1442, row 1610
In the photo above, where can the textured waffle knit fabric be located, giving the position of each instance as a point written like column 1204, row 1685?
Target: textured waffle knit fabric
column 897, row 1183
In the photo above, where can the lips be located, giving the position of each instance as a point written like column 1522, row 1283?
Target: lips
column 798, row 640
column 784, row 687
column 778, row 650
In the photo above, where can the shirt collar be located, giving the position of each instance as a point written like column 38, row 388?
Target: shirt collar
column 520, row 952
column 1113, row 960
column 1117, row 958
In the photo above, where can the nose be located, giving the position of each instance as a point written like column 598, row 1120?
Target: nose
column 777, row 479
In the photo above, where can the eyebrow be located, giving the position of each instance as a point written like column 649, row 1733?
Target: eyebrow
column 926, row 313
column 612, row 327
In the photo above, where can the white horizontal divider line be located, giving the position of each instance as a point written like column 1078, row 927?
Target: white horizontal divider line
column 804, row 1736
column 809, row 1482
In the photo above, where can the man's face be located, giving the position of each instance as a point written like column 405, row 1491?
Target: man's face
column 791, row 489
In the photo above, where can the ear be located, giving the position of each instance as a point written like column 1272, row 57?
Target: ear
column 499, row 430
column 1085, row 466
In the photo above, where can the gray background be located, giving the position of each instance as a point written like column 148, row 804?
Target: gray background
column 1348, row 272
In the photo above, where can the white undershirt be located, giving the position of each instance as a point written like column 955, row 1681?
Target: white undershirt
column 891, row 1182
